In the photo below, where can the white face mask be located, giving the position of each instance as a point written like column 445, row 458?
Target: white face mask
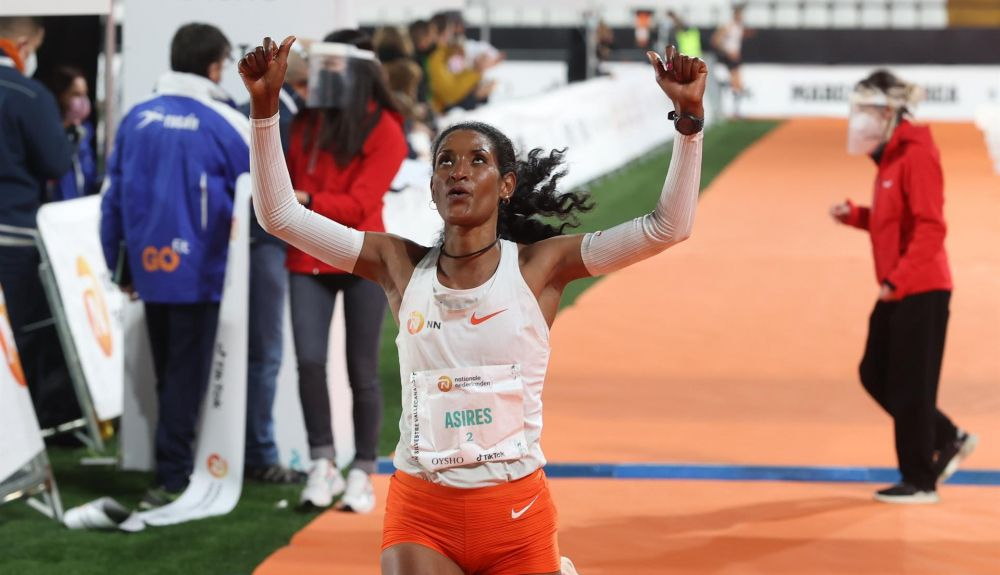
column 30, row 65
column 865, row 132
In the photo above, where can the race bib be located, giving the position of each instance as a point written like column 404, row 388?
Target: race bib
column 466, row 416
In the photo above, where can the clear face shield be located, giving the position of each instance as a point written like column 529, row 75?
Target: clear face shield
column 869, row 124
column 333, row 73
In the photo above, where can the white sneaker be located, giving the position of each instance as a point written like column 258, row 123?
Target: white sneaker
column 567, row 567
column 359, row 496
column 323, row 485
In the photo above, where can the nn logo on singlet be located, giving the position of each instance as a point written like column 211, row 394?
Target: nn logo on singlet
column 416, row 323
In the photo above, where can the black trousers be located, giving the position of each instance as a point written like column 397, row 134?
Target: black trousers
column 182, row 338
column 36, row 338
column 901, row 370
column 312, row 302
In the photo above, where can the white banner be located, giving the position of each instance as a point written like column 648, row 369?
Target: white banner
column 150, row 26
column 137, row 435
column 605, row 123
column 53, row 7
column 217, row 479
column 92, row 304
column 954, row 93
column 21, row 439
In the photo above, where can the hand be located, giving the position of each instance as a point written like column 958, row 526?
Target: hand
column 886, row 293
column 840, row 212
column 263, row 73
column 484, row 62
column 130, row 292
column 682, row 79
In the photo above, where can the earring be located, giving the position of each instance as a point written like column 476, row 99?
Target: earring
column 506, row 200
column 432, row 206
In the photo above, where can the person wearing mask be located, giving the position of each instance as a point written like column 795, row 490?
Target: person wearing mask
column 269, row 284
column 69, row 86
column 901, row 367
column 166, row 216
column 454, row 83
column 36, row 152
column 346, row 148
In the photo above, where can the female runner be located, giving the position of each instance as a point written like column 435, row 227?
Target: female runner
column 470, row 494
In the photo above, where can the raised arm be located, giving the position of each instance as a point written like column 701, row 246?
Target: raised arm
column 368, row 255
column 577, row 256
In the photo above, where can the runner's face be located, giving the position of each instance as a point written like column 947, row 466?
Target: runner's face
column 466, row 184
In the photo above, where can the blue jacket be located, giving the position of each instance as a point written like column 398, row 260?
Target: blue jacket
column 170, row 185
column 34, row 150
column 81, row 180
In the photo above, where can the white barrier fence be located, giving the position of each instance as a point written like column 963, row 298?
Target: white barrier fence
column 21, row 438
column 988, row 120
column 954, row 93
column 90, row 303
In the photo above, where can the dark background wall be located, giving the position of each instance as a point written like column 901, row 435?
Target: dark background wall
column 788, row 46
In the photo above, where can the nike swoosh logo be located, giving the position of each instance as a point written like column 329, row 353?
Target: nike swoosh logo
column 478, row 320
column 517, row 514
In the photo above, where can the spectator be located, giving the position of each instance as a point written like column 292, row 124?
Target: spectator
column 473, row 49
column 69, row 85
column 167, row 210
column 424, row 39
column 35, row 151
column 404, row 76
column 452, row 84
column 345, row 152
column 269, row 284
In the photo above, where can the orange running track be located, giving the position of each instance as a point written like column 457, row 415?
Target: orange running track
column 741, row 346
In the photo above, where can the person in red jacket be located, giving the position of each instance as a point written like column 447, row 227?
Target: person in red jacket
column 345, row 151
column 902, row 361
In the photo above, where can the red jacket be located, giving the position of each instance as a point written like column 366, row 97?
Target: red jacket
column 906, row 220
column 351, row 195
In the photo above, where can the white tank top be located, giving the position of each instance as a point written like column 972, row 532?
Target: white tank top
column 732, row 39
column 493, row 336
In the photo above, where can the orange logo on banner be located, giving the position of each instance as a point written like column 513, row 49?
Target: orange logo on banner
column 164, row 259
column 415, row 323
column 7, row 347
column 97, row 309
column 445, row 384
column 217, row 466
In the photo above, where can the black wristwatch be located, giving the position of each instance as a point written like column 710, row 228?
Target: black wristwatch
column 687, row 124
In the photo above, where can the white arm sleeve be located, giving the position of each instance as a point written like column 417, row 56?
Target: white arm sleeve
column 670, row 223
column 282, row 216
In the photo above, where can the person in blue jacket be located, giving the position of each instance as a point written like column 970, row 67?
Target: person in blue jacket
column 167, row 210
column 269, row 284
column 34, row 152
column 69, row 86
